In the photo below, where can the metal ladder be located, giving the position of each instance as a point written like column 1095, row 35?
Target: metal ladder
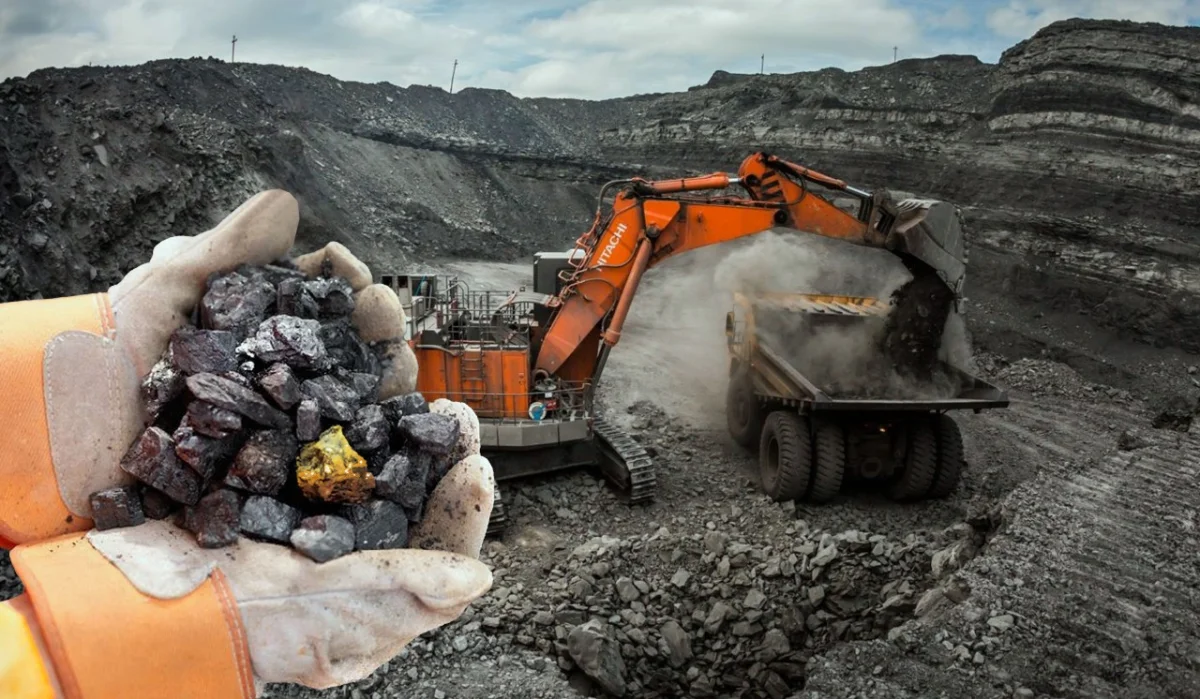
column 473, row 378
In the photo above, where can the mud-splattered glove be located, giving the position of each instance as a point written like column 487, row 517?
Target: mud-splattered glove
column 143, row 611
column 71, row 367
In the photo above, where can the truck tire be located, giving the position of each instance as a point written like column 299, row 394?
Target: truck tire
column 743, row 413
column 784, row 456
column 829, row 460
column 950, row 457
column 920, row 464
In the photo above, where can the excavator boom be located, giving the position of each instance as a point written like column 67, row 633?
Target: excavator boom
column 648, row 223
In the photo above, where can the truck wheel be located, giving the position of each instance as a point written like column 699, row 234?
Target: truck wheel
column 743, row 413
column 920, row 464
column 784, row 456
column 829, row 457
column 950, row 457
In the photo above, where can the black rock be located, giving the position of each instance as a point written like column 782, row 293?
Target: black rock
column 323, row 537
column 263, row 463
column 215, row 519
column 378, row 524
column 369, row 431
column 346, row 349
column 227, row 393
column 211, row 421
column 162, row 385
column 267, row 518
column 116, row 507
column 308, row 420
column 416, row 486
column 280, row 384
column 365, row 385
column 336, row 400
column 196, row 351
column 204, row 454
column 294, row 299
column 392, row 476
column 152, row 460
column 334, row 296
column 432, row 432
column 275, row 274
column 236, row 303
column 290, row 340
column 156, row 505
column 397, row 407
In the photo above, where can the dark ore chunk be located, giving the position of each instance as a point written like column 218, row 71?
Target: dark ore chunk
column 195, row 351
column 323, row 537
column 433, row 432
column 397, row 407
column 308, row 420
column 290, row 340
column 346, row 349
column 293, row 299
column 237, row 377
column 335, row 297
column 390, row 479
column 116, row 507
column 211, row 421
column 156, row 505
column 215, row 519
column 378, row 524
column 439, row 466
column 277, row 274
column 236, row 303
column 162, row 385
column 336, row 400
column 262, row 464
column 414, row 488
column 204, row 454
column 226, row 393
column 281, row 385
column 377, row 459
column 366, row 385
column 267, row 518
column 152, row 460
column 369, row 431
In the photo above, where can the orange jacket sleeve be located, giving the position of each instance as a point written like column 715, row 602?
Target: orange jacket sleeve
column 23, row 675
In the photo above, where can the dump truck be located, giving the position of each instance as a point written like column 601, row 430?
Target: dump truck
column 529, row 361
column 809, row 392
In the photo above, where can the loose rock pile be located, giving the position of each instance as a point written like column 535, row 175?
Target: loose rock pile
column 697, row 613
column 267, row 424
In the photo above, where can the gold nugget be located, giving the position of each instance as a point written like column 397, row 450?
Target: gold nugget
column 330, row 470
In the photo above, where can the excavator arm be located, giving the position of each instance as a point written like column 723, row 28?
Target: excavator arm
column 649, row 222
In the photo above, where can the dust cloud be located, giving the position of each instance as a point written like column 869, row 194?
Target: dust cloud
column 673, row 353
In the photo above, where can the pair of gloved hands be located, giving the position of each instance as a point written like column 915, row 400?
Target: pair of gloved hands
column 318, row 625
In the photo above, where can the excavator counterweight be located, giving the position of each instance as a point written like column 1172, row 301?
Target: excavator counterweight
column 529, row 362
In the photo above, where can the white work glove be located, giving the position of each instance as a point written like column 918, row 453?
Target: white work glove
column 313, row 624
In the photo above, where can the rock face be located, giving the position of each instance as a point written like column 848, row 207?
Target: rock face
column 1074, row 159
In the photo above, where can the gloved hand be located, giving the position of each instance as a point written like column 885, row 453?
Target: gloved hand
column 308, row 623
column 93, row 403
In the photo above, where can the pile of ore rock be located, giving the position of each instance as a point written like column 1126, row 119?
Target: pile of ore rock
column 267, row 424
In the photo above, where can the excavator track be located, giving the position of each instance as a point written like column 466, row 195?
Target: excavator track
column 625, row 463
column 498, row 522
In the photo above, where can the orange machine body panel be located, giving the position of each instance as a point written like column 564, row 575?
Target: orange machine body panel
column 493, row 381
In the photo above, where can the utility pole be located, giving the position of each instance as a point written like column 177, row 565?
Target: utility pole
column 762, row 64
column 453, row 71
column 895, row 49
column 233, row 49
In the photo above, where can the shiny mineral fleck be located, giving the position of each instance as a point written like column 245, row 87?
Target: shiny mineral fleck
column 290, row 340
column 370, row 429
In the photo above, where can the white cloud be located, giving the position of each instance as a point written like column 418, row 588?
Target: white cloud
column 1019, row 19
column 571, row 48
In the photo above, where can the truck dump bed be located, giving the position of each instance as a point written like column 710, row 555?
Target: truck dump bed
column 816, row 353
column 775, row 376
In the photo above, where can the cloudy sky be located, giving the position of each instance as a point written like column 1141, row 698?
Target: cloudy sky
column 562, row 48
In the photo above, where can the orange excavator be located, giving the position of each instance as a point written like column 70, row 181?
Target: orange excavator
column 528, row 362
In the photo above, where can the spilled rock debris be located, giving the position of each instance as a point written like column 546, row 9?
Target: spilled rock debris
column 267, row 424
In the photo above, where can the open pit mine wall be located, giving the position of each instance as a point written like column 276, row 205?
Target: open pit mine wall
column 1075, row 159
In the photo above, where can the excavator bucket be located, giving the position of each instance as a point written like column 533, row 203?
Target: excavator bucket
column 931, row 232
